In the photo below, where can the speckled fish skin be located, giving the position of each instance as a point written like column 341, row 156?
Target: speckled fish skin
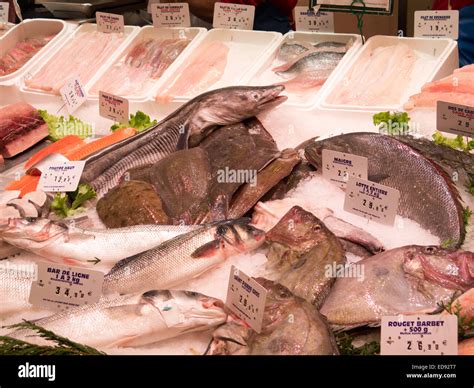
column 427, row 194
column 406, row 280
column 290, row 50
column 291, row 326
column 319, row 61
column 132, row 320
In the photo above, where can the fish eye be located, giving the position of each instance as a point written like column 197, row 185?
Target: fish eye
column 255, row 96
column 316, row 228
column 430, row 250
column 221, row 230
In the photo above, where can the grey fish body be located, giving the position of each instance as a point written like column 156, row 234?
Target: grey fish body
column 289, row 51
column 319, row 61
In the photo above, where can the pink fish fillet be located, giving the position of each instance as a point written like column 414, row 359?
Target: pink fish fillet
column 429, row 100
column 456, row 83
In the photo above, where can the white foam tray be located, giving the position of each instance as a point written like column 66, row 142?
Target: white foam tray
column 248, row 51
column 265, row 75
column 441, row 60
column 130, row 32
column 194, row 34
column 32, row 28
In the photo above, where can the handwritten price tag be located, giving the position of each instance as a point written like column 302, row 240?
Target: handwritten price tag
column 246, row 298
column 60, row 287
column 4, row 7
column 338, row 167
column 455, row 118
column 371, row 200
column 419, row 335
column 73, row 95
column 109, row 22
column 113, row 107
column 437, row 24
column 233, row 16
column 171, row 15
column 61, row 177
column 313, row 20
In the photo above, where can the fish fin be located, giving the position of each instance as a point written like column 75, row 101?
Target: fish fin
column 207, row 250
column 183, row 138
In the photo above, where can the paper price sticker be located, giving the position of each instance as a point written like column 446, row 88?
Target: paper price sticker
column 110, row 22
column 60, row 287
column 233, row 16
column 246, row 298
column 338, row 167
column 313, row 20
column 113, row 107
column 4, row 7
column 171, row 15
column 73, row 95
column 61, row 177
column 371, row 200
column 419, row 335
column 437, row 24
column 454, row 118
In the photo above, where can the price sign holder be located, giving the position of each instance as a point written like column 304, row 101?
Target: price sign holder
column 113, row 107
column 73, row 95
column 313, row 20
column 171, row 15
column 4, row 8
column 233, row 16
column 380, row 7
column 454, row 118
column 338, row 167
column 110, row 22
column 61, row 177
column 436, row 24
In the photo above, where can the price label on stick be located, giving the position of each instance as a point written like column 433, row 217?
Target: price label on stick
column 338, row 167
column 73, row 94
column 419, row 335
column 437, row 24
column 61, row 287
column 371, row 200
column 233, row 16
column 171, row 15
column 246, row 298
column 454, row 118
column 61, row 177
column 109, row 22
column 4, row 7
column 113, row 107
column 313, row 20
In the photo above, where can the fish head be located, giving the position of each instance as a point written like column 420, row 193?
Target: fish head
column 314, row 155
column 238, row 236
column 33, row 229
column 230, row 339
column 278, row 298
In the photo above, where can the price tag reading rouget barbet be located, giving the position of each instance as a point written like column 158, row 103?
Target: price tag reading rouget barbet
column 338, row 167
column 109, row 22
column 246, row 298
column 113, row 107
column 73, row 94
column 437, row 24
column 454, row 118
column 61, row 177
column 233, row 16
column 419, row 335
column 62, row 287
column 371, row 200
column 4, row 7
column 171, row 15
column 313, row 20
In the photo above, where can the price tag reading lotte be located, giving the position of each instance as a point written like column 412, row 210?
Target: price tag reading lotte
column 419, row 335
column 4, row 7
column 371, row 200
column 313, row 20
column 246, row 298
column 73, row 95
column 454, row 118
column 437, row 24
column 62, row 287
column 233, row 16
column 61, row 177
column 171, row 15
column 113, row 107
column 338, row 167
column 110, row 22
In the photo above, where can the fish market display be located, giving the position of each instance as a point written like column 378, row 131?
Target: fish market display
column 291, row 326
column 82, row 56
column 406, row 280
column 21, row 53
column 136, row 71
column 427, row 195
column 376, row 78
column 182, row 258
column 21, row 127
column 132, row 320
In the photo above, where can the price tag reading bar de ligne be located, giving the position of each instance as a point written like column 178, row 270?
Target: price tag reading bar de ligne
column 437, row 24
column 246, row 298
column 113, row 107
column 313, row 20
column 73, row 95
column 62, row 287
column 233, row 16
column 4, row 7
column 419, row 335
column 371, row 200
column 61, row 177
column 171, row 15
column 338, row 167
column 454, row 118
column 110, row 22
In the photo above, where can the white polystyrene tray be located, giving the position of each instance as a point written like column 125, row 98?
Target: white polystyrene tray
column 440, row 59
column 194, row 34
column 265, row 75
column 31, row 28
column 247, row 51
column 130, row 32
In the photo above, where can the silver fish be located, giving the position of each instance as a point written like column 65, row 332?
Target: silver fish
column 15, row 286
column 319, row 61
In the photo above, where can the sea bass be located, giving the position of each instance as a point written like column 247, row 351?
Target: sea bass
column 183, row 258
column 291, row 326
column 406, row 280
column 132, row 320
column 427, row 194
column 319, row 61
